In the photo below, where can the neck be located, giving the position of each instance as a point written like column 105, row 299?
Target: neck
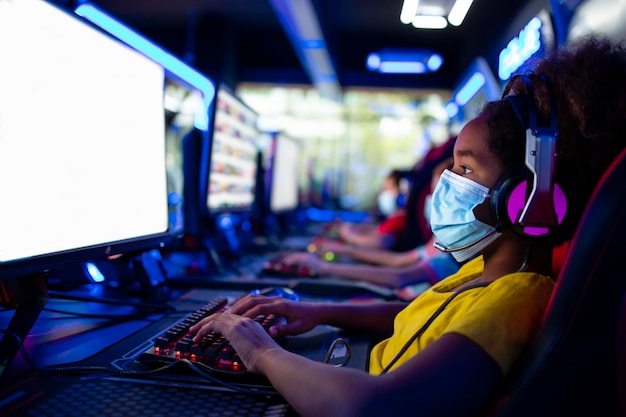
column 511, row 255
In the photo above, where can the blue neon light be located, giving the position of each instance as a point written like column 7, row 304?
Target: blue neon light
column 400, row 67
column 520, row 48
column 404, row 61
column 225, row 222
column 434, row 62
column 452, row 109
column 469, row 89
column 168, row 61
column 373, row 61
column 93, row 272
column 313, row 43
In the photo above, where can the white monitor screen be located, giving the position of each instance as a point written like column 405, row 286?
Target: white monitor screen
column 233, row 164
column 285, row 174
column 82, row 135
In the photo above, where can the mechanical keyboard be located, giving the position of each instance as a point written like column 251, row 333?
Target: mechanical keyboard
column 277, row 268
column 213, row 351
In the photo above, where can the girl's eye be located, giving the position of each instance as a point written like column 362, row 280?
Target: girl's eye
column 466, row 170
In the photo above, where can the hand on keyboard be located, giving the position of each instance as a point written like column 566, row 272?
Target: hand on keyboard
column 298, row 317
column 288, row 265
column 245, row 339
column 309, row 261
column 190, row 340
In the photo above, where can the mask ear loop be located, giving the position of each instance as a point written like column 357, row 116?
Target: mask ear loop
column 524, row 265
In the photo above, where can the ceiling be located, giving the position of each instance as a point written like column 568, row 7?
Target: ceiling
column 243, row 40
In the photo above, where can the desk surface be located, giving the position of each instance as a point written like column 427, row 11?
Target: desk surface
column 75, row 333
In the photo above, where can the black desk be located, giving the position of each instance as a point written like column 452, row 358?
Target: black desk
column 59, row 339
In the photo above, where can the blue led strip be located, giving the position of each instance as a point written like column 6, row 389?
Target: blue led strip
column 172, row 64
column 470, row 88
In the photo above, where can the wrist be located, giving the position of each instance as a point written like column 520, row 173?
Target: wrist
column 265, row 359
column 319, row 312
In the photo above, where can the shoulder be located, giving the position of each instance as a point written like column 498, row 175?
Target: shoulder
column 503, row 316
column 521, row 284
column 394, row 222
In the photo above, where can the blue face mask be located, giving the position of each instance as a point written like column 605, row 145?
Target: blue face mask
column 428, row 202
column 387, row 202
column 452, row 218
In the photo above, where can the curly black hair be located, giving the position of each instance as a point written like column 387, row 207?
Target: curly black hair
column 588, row 82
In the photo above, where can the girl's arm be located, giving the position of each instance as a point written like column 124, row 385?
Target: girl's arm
column 452, row 376
column 380, row 256
column 375, row 317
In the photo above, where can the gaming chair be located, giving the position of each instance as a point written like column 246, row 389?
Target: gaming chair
column 417, row 230
column 576, row 365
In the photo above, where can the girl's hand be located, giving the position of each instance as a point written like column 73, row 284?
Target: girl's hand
column 305, row 259
column 299, row 316
column 246, row 336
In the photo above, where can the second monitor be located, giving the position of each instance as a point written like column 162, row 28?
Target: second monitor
column 228, row 183
column 230, row 163
column 283, row 174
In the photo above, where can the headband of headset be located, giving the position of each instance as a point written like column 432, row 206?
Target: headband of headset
column 540, row 156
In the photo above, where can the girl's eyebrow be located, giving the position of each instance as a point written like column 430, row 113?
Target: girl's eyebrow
column 465, row 152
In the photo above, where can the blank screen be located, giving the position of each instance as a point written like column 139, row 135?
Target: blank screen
column 285, row 171
column 82, row 154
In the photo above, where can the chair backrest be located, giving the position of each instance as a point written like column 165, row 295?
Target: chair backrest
column 417, row 229
column 571, row 367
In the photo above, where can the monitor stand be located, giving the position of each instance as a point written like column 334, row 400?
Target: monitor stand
column 27, row 295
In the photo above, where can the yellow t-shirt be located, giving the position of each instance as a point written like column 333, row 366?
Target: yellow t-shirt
column 501, row 317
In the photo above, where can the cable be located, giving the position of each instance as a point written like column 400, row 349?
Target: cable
column 195, row 366
column 333, row 346
column 526, row 258
column 422, row 329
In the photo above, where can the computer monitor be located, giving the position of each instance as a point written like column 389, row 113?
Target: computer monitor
column 184, row 142
column 230, row 160
column 82, row 147
column 284, row 174
column 82, row 155
column 188, row 97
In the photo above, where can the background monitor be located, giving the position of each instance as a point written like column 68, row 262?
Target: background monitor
column 284, row 174
column 183, row 144
column 231, row 157
column 82, row 142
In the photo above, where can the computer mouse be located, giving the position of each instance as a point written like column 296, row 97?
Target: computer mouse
column 283, row 292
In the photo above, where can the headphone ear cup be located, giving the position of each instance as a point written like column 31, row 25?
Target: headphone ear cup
column 508, row 199
column 401, row 200
column 507, row 202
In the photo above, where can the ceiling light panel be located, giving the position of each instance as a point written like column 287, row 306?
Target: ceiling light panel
column 434, row 14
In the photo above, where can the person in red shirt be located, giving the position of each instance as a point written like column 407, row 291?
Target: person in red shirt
column 384, row 234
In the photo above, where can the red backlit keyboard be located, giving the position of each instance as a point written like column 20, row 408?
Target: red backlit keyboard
column 276, row 268
column 213, row 351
